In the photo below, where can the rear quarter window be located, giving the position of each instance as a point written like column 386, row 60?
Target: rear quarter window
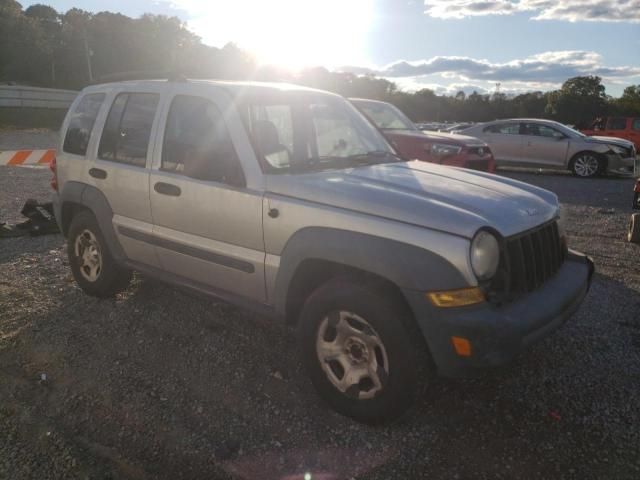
column 83, row 117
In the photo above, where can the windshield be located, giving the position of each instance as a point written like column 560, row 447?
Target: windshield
column 385, row 116
column 295, row 133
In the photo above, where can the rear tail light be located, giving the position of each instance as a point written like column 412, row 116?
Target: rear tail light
column 637, row 187
column 54, row 169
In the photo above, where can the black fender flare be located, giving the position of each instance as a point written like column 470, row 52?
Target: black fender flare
column 94, row 200
column 407, row 266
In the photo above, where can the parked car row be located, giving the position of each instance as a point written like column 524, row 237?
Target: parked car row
column 289, row 201
column 434, row 147
column 513, row 142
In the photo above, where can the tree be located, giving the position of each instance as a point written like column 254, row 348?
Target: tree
column 629, row 102
column 580, row 99
column 40, row 46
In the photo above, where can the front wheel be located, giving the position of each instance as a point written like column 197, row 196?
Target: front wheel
column 360, row 355
column 587, row 165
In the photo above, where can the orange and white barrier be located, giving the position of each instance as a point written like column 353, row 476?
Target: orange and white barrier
column 27, row 157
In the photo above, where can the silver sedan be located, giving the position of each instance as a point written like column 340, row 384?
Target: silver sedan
column 549, row 144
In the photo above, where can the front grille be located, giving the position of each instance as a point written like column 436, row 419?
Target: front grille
column 528, row 261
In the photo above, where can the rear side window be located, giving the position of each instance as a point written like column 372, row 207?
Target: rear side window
column 538, row 130
column 126, row 133
column 81, row 123
column 504, row 128
column 197, row 143
column 636, row 124
column 617, row 124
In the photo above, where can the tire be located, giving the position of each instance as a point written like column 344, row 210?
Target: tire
column 587, row 165
column 92, row 264
column 344, row 308
column 634, row 228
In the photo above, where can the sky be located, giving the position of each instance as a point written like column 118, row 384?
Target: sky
column 445, row 45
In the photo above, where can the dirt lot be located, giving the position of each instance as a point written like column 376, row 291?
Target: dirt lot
column 157, row 383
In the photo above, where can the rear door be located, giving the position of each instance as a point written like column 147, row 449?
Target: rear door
column 543, row 145
column 505, row 141
column 207, row 214
column 120, row 169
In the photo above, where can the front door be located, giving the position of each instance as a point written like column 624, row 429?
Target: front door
column 544, row 146
column 207, row 222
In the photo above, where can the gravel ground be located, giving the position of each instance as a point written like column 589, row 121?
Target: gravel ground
column 157, row 383
column 28, row 139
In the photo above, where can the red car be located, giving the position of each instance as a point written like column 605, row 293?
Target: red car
column 621, row 127
column 412, row 143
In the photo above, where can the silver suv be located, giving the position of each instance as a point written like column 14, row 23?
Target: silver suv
column 287, row 200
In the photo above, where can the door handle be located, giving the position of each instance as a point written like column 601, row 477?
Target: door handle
column 167, row 189
column 98, row 173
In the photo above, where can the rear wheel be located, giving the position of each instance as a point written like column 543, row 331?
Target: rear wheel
column 359, row 353
column 634, row 228
column 587, row 164
column 92, row 265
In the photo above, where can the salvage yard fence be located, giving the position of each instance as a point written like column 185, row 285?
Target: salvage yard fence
column 17, row 96
column 33, row 107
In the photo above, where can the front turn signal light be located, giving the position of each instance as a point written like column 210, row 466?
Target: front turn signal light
column 456, row 298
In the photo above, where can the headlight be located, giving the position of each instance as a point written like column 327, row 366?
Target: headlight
column 618, row 150
column 443, row 150
column 485, row 255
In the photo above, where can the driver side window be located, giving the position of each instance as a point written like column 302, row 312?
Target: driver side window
column 197, row 143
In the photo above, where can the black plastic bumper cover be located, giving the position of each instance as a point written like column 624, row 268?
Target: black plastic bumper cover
column 497, row 334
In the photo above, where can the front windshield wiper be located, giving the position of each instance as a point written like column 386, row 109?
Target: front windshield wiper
column 373, row 157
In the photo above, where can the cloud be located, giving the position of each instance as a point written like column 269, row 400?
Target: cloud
column 569, row 10
column 548, row 67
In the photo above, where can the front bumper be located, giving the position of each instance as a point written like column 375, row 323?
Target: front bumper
column 618, row 165
column 498, row 334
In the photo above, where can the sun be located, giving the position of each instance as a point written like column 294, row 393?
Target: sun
column 288, row 33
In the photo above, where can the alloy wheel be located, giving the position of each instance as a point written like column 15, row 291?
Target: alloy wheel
column 586, row 165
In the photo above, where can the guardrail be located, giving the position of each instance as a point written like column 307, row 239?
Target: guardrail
column 17, row 96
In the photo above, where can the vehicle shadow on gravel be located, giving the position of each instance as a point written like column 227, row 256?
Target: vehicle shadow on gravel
column 157, row 383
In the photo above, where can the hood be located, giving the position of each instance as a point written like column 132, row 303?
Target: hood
column 448, row 138
column 452, row 200
column 610, row 141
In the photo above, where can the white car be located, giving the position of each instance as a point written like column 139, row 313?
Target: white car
column 549, row 144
